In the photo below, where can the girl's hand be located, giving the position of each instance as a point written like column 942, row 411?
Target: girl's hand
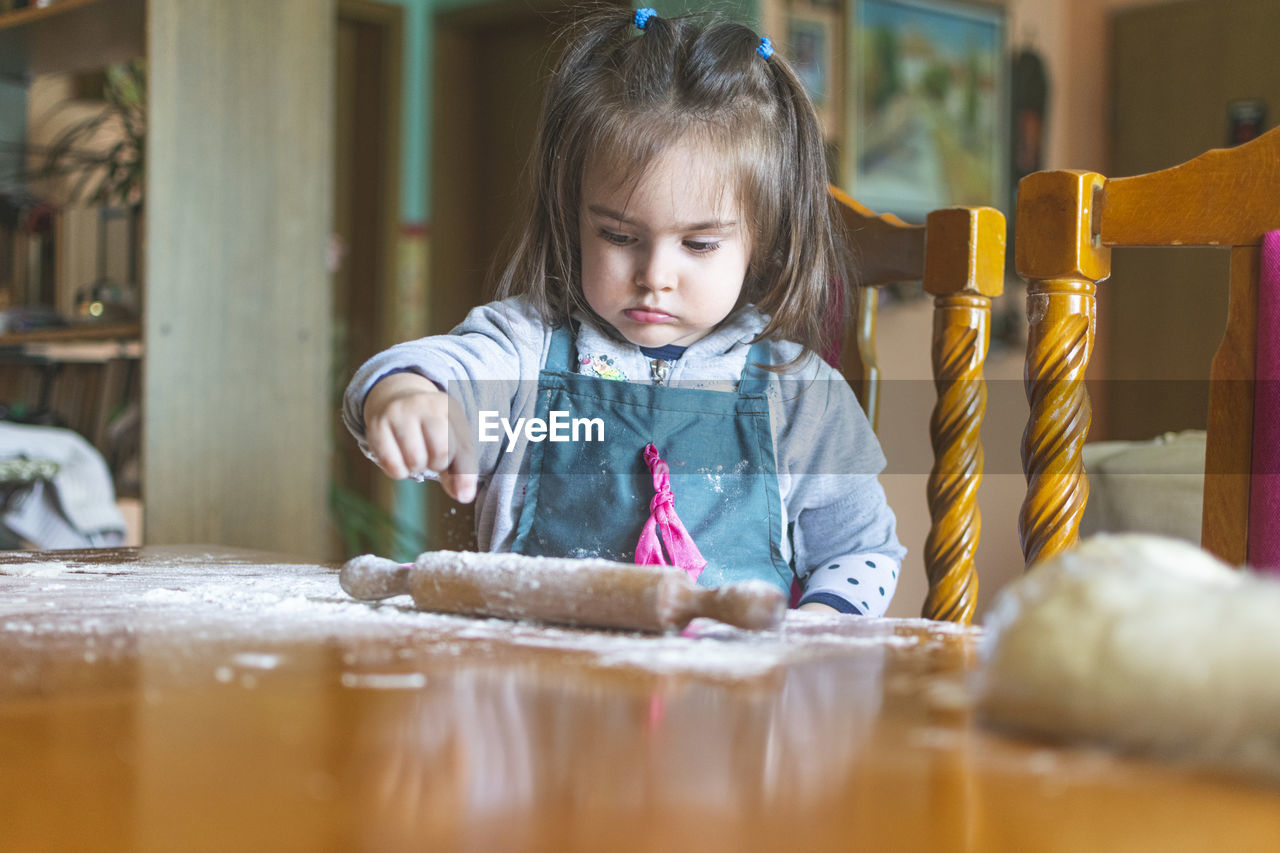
column 413, row 427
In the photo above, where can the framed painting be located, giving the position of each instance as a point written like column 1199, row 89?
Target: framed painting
column 931, row 102
column 814, row 37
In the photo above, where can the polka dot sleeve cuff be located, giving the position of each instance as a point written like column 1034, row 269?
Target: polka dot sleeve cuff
column 854, row 583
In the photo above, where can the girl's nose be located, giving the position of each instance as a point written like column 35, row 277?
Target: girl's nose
column 657, row 270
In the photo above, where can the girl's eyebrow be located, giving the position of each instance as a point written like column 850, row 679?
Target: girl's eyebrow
column 708, row 225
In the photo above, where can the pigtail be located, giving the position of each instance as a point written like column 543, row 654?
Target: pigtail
column 814, row 268
column 649, row 71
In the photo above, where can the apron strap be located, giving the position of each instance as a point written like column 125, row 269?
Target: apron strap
column 562, row 356
column 755, row 378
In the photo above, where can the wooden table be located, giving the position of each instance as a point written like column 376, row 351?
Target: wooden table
column 189, row 699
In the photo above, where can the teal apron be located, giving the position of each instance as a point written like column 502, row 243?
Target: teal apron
column 591, row 498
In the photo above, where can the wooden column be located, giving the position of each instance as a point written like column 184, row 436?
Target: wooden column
column 1062, row 262
column 237, row 386
column 963, row 269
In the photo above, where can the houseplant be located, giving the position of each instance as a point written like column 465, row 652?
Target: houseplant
column 101, row 159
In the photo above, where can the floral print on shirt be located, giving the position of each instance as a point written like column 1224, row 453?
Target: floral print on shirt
column 602, row 366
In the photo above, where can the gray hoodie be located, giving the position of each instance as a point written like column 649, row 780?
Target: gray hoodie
column 827, row 456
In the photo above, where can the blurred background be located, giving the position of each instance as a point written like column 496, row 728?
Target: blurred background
column 211, row 213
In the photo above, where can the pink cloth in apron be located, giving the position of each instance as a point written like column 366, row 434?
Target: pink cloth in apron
column 662, row 518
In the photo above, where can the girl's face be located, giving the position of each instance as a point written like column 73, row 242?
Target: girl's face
column 663, row 261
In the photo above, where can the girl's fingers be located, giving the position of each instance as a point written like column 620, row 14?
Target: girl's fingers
column 460, row 487
column 452, row 453
column 461, row 479
column 413, row 450
column 385, row 449
column 436, row 441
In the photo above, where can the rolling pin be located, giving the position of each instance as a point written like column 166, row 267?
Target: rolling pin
column 584, row 592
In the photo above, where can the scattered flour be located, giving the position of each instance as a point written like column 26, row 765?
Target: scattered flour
column 384, row 680
column 253, row 660
column 164, row 594
column 193, row 602
column 723, row 658
column 42, row 569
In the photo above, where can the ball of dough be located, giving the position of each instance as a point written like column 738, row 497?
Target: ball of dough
column 1141, row 641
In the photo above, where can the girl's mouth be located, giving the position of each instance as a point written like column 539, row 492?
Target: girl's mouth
column 647, row 315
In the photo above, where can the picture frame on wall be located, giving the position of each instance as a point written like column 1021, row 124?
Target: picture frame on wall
column 931, row 105
column 814, row 37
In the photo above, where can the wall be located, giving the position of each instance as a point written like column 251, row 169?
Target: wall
column 1073, row 37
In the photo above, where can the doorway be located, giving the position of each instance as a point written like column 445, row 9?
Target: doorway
column 491, row 67
column 363, row 245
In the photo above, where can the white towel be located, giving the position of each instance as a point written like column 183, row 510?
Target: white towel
column 77, row 508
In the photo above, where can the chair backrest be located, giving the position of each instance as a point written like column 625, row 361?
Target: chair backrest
column 1067, row 224
column 959, row 256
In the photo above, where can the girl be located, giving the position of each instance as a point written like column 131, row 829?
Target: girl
column 648, row 381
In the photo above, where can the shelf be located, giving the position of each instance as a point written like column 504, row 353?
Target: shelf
column 71, row 35
column 25, row 16
column 90, row 344
column 74, row 334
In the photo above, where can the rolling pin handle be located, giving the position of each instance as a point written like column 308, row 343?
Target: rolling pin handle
column 372, row 578
column 752, row 605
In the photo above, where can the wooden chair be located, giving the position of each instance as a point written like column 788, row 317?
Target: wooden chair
column 959, row 256
column 1067, row 224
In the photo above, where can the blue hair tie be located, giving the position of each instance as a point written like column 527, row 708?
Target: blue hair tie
column 643, row 16
column 765, row 49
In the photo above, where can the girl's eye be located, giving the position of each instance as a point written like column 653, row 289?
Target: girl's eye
column 615, row 238
column 702, row 247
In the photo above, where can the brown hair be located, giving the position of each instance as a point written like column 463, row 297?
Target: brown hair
column 621, row 96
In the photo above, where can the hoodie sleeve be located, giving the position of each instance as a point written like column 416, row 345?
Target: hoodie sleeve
column 844, row 534
column 490, row 362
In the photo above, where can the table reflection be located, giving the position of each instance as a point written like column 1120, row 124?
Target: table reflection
column 481, row 743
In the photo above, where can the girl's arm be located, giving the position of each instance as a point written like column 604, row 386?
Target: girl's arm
column 848, row 554
column 488, row 363
column 844, row 534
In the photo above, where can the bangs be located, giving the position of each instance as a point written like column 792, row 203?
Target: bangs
column 626, row 143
